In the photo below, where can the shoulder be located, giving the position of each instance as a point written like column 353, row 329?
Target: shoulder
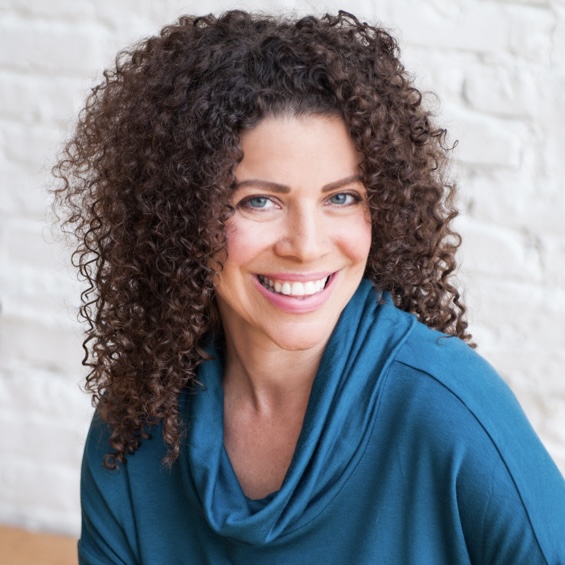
column 458, row 414
column 457, row 368
column 428, row 362
column 449, row 391
column 116, row 483
column 448, row 380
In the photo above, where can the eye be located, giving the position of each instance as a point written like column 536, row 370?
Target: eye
column 256, row 203
column 343, row 199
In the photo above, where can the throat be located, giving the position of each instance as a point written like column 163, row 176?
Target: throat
column 265, row 401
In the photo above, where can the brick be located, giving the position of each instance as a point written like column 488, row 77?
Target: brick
column 54, row 10
column 49, row 297
column 28, row 243
column 499, row 90
column 486, row 142
column 485, row 195
column 553, row 258
column 46, row 394
column 33, row 147
column 520, row 200
column 439, row 72
column 545, row 211
column 528, row 2
column 57, row 102
column 47, row 48
column 22, row 192
column 497, row 251
column 531, row 31
column 552, row 120
column 62, row 444
column 478, row 27
column 517, row 315
column 142, row 23
column 40, row 344
column 558, row 37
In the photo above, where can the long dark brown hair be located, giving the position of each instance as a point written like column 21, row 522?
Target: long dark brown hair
column 144, row 185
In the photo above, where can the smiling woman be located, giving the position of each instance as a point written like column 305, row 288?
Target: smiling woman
column 279, row 356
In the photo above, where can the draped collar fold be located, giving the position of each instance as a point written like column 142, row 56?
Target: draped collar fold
column 337, row 425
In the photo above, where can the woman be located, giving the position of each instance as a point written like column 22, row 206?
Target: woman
column 279, row 358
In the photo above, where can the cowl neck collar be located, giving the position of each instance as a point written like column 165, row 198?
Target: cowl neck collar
column 335, row 431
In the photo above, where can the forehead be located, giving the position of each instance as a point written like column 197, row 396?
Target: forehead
column 293, row 150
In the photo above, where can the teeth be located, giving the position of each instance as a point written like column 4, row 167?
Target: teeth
column 310, row 288
column 294, row 288
column 297, row 289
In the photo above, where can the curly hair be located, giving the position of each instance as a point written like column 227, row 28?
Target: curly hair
column 145, row 181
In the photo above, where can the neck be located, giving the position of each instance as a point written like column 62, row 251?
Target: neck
column 269, row 380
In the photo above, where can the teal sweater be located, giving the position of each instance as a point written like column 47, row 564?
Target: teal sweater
column 413, row 451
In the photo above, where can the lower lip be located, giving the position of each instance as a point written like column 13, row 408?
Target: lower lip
column 297, row 305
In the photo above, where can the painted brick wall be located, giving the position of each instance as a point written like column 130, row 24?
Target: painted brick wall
column 499, row 70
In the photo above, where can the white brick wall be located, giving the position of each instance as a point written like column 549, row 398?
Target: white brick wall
column 499, row 70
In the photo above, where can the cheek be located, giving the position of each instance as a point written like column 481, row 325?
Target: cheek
column 356, row 240
column 246, row 240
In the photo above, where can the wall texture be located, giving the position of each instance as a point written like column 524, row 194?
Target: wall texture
column 499, row 70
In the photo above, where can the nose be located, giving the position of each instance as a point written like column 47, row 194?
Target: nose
column 305, row 236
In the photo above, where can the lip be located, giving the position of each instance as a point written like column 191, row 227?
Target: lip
column 292, row 304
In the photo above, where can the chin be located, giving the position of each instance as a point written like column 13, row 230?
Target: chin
column 297, row 338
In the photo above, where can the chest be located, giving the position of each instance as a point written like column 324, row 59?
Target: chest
column 260, row 449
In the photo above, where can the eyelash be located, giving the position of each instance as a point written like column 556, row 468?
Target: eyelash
column 246, row 202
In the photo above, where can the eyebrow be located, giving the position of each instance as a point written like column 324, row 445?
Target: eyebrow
column 284, row 189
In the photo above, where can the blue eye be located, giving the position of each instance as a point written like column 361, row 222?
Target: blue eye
column 342, row 199
column 256, row 203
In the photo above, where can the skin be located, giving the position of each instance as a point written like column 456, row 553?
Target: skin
column 301, row 215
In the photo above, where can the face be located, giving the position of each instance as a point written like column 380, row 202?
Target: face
column 300, row 236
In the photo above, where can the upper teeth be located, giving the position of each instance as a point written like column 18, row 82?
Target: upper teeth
column 294, row 288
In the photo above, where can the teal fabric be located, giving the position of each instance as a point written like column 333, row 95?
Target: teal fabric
column 413, row 451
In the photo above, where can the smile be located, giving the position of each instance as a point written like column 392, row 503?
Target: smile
column 293, row 288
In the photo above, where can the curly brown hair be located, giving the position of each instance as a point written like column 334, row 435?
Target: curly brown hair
column 145, row 187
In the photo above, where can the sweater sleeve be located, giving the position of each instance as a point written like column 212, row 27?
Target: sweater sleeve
column 107, row 518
